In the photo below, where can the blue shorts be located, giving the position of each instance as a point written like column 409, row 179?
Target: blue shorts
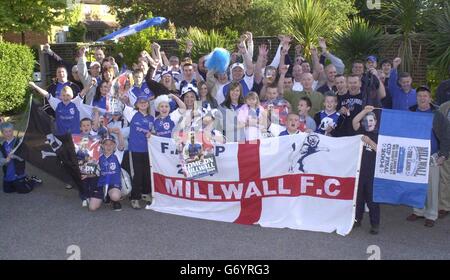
column 97, row 192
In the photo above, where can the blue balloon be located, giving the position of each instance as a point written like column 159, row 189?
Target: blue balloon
column 218, row 60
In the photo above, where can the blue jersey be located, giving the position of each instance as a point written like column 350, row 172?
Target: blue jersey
column 140, row 125
column 142, row 90
column 59, row 87
column 110, row 171
column 164, row 127
column 326, row 121
column 101, row 103
column 10, row 167
column 67, row 119
column 285, row 133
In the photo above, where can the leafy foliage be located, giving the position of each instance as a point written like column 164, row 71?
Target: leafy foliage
column 16, row 67
column 26, row 15
column 77, row 32
column 357, row 40
column 203, row 14
column 407, row 16
column 132, row 45
column 206, row 41
column 307, row 20
column 438, row 33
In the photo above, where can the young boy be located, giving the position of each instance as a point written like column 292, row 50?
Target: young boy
column 306, row 123
column 277, row 107
column 109, row 181
column 14, row 179
column 292, row 125
column 140, row 87
column 366, row 123
column 87, row 152
column 328, row 119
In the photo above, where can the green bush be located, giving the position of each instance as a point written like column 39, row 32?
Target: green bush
column 131, row 46
column 16, row 67
column 357, row 40
column 206, row 41
column 77, row 32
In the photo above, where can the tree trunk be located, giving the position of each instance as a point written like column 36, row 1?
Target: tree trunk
column 23, row 37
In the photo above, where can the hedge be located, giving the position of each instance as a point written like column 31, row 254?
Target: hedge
column 16, row 68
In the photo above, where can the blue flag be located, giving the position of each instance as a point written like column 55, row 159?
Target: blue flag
column 403, row 155
column 134, row 28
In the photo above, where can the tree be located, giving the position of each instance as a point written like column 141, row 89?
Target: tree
column 30, row 15
column 438, row 33
column 407, row 17
column 183, row 13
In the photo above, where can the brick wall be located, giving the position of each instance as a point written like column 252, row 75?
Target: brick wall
column 31, row 38
column 420, row 52
column 67, row 52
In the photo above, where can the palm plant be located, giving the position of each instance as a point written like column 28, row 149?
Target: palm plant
column 307, row 20
column 406, row 15
column 437, row 28
column 357, row 40
column 205, row 41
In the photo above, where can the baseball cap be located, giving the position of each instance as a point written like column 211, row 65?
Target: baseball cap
column 237, row 64
column 423, row 88
column 109, row 137
column 142, row 98
column 94, row 63
column 372, row 58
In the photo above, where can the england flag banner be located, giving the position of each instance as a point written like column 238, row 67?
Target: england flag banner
column 302, row 181
column 403, row 157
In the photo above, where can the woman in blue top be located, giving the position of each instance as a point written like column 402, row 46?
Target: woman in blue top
column 101, row 94
column 141, row 125
column 229, row 109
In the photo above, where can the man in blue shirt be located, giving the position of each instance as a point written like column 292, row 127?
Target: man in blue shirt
column 400, row 88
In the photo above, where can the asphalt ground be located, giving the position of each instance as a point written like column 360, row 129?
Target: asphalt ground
column 44, row 223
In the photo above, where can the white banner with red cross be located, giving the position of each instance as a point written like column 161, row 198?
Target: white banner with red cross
column 302, row 181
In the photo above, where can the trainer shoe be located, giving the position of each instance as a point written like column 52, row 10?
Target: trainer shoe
column 84, row 203
column 68, row 187
column 414, row 217
column 429, row 223
column 116, row 206
column 36, row 180
column 147, row 205
column 135, row 204
column 374, row 229
column 146, row 197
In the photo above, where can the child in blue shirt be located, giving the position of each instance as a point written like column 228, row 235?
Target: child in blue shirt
column 109, row 181
column 292, row 124
column 328, row 119
column 141, row 125
column 14, row 179
column 164, row 123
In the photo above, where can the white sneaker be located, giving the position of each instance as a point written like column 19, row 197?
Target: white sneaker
column 148, row 206
column 84, row 203
column 68, row 187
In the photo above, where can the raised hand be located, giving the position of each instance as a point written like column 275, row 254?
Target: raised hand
column 322, row 44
